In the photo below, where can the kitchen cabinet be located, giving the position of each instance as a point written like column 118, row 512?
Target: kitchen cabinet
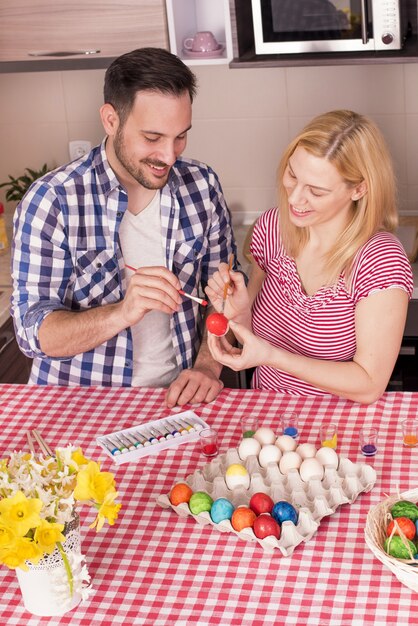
column 14, row 365
column 187, row 17
column 41, row 32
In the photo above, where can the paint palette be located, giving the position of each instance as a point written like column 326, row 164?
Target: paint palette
column 133, row 443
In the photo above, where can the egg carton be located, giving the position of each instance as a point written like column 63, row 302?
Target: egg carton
column 313, row 500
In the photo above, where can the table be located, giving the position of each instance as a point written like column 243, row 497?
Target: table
column 154, row 568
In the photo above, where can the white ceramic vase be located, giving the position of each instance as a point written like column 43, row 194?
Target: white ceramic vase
column 45, row 587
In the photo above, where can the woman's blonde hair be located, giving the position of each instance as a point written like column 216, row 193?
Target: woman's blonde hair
column 357, row 149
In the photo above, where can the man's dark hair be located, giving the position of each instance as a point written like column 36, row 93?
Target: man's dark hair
column 145, row 69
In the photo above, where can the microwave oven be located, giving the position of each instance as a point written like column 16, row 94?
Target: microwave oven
column 306, row 26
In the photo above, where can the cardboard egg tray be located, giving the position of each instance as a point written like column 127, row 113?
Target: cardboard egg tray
column 313, row 500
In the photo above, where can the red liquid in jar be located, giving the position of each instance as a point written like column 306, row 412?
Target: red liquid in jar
column 210, row 449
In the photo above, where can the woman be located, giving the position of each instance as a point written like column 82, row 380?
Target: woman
column 328, row 294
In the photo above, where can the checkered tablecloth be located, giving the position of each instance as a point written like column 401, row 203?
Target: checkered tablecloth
column 155, row 568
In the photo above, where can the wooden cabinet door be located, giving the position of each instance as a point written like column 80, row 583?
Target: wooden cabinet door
column 59, row 26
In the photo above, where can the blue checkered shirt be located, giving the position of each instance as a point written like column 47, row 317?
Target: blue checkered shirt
column 66, row 255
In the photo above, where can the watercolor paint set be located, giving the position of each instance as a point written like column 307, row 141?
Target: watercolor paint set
column 138, row 441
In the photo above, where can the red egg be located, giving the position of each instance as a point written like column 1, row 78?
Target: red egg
column 261, row 503
column 265, row 525
column 217, row 324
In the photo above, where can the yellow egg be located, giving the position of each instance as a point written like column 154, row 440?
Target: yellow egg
column 236, row 476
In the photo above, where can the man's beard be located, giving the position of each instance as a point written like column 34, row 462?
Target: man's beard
column 135, row 170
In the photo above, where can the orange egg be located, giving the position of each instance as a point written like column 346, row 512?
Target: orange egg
column 180, row 493
column 242, row 517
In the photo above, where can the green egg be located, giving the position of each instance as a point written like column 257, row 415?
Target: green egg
column 405, row 508
column 396, row 547
column 199, row 502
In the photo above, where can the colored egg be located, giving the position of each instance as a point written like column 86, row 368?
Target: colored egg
column 269, row 454
column 265, row 526
column 310, row 469
column 261, row 503
column 283, row 512
column 248, row 447
column 406, row 525
column 199, row 502
column 265, row 435
column 290, row 460
column 396, row 547
column 221, row 509
column 217, row 324
column 237, row 476
column 242, row 517
column 180, row 493
column 286, row 443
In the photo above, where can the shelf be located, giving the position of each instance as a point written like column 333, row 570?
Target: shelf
column 187, row 17
column 248, row 59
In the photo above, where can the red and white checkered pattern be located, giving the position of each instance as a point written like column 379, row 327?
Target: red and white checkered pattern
column 154, row 568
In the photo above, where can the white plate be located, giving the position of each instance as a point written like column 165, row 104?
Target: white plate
column 204, row 55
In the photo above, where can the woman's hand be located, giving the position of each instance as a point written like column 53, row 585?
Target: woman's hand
column 237, row 304
column 254, row 351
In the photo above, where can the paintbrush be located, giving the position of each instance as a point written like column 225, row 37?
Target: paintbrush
column 181, row 291
column 228, row 284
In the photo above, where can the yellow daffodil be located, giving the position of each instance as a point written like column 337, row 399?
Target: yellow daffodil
column 79, row 457
column 92, row 484
column 20, row 512
column 47, row 534
column 7, row 535
column 108, row 511
column 21, row 550
column 37, row 499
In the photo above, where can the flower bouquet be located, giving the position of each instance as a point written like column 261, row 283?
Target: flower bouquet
column 39, row 524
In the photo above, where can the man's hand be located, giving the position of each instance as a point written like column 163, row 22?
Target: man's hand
column 193, row 386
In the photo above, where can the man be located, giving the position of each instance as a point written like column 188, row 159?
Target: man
column 80, row 312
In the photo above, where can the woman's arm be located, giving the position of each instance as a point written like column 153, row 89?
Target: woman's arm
column 379, row 320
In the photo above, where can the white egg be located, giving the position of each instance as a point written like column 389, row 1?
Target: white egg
column 290, row 460
column 269, row 454
column 310, row 469
column 247, row 447
column 286, row 443
column 306, row 450
column 265, row 435
column 327, row 456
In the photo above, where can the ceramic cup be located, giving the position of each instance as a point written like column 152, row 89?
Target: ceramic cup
column 203, row 41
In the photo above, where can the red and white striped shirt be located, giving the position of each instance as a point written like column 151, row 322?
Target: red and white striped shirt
column 321, row 326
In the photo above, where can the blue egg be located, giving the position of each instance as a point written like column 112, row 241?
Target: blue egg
column 221, row 509
column 283, row 511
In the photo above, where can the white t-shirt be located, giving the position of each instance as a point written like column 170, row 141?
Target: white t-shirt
column 154, row 359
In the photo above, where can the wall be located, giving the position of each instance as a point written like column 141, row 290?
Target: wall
column 243, row 118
